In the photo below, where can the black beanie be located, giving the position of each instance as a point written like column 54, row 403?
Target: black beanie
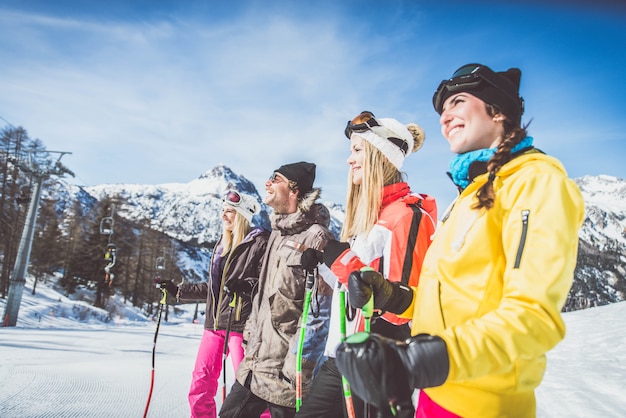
column 302, row 173
column 502, row 91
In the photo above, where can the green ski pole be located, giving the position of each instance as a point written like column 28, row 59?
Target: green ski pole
column 368, row 309
column 310, row 281
column 347, row 392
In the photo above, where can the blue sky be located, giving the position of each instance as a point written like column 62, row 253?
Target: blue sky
column 151, row 92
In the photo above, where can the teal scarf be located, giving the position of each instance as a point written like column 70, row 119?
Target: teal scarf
column 460, row 164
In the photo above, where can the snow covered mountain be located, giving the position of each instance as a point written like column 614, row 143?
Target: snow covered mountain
column 600, row 276
column 190, row 214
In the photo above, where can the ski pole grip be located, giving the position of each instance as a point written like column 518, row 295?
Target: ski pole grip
column 310, row 279
column 368, row 308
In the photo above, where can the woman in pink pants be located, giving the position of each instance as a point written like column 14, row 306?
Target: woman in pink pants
column 233, row 277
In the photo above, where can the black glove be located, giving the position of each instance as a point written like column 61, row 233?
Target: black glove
column 333, row 250
column 241, row 286
column 397, row 367
column 169, row 286
column 388, row 296
column 310, row 259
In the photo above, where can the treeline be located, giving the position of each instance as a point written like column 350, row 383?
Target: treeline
column 71, row 240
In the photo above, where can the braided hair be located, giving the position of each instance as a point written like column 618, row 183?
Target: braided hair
column 513, row 135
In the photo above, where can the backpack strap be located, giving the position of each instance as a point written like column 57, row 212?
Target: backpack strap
column 411, row 241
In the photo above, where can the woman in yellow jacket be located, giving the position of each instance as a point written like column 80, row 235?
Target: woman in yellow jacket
column 495, row 278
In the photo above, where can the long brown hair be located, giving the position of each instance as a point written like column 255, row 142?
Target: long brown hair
column 513, row 135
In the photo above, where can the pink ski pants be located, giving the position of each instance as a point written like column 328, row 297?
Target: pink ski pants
column 206, row 372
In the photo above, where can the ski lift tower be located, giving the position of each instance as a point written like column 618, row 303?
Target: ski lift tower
column 40, row 170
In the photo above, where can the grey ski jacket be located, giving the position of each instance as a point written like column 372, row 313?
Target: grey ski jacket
column 272, row 331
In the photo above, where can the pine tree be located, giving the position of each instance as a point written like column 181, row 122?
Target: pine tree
column 47, row 250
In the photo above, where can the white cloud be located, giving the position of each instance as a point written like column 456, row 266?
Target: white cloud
column 164, row 95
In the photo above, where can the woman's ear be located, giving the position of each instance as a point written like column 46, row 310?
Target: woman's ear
column 499, row 117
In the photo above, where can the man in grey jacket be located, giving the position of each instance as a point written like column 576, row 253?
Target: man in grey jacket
column 266, row 376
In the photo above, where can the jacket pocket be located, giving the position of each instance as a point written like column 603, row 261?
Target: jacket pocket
column 286, row 304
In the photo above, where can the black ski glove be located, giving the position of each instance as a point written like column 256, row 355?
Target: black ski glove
column 333, row 250
column 169, row 286
column 241, row 286
column 310, row 259
column 388, row 296
column 384, row 372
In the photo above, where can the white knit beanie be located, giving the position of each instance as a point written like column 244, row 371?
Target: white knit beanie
column 408, row 133
column 247, row 207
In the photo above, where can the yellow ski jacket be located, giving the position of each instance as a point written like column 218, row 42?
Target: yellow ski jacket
column 493, row 285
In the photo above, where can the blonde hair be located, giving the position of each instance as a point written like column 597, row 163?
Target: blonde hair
column 363, row 201
column 231, row 239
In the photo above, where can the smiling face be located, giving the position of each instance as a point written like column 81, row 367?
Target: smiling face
column 356, row 158
column 279, row 196
column 228, row 217
column 467, row 126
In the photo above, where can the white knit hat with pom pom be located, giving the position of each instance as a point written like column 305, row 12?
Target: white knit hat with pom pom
column 411, row 138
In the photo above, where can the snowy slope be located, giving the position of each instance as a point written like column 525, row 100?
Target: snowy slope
column 71, row 367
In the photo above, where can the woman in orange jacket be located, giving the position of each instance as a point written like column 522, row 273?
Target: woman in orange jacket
column 386, row 228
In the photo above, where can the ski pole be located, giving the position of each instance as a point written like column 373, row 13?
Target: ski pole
column 310, row 281
column 347, row 392
column 368, row 311
column 156, row 333
column 225, row 352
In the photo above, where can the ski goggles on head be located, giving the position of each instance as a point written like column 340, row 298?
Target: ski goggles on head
column 373, row 125
column 232, row 197
column 466, row 78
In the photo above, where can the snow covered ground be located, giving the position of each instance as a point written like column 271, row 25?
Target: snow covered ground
column 61, row 360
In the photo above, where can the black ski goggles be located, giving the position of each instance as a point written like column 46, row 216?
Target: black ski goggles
column 373, row 125
column 466, row 78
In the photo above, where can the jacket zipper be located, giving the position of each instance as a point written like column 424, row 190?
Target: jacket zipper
column 522, row 241
column 209, row 310
column 221, row 296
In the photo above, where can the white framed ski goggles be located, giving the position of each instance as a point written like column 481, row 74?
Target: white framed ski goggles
column 232, row 197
